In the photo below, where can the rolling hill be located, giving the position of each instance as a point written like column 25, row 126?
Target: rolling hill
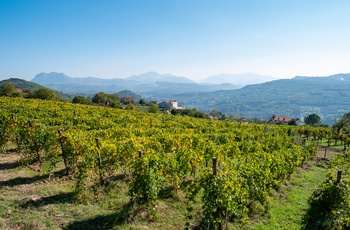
column 328, row 97
column 22, row 84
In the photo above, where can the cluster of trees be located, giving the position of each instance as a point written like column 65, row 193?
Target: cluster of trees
column 189, row 112
column 312, row 119
column 111, row 100
column 9, row 89
column 341, row 128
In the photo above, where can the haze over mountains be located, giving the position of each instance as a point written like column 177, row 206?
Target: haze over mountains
column 300, row 96
column 237, row 79
column 240, row 80
column 148, row 82
column 328, row 97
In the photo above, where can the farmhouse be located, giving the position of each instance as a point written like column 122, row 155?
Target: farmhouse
column 169, row 104
column 283, row 120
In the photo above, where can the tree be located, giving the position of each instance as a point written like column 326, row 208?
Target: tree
column 153, row 108
column 342, row 125
column 100, row 97
column 130, row 107
column 292, row 122
column 81, row 100
column 112, row 99
column 44, row 94
column 219, row 115
column 7, row 89
column 312, row 119
column 128, row 101
column 142, row 101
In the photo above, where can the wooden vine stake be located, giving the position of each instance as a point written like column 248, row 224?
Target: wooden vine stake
column 140, row 153
column 325, row 152
column 30, row 124
column 339, row 172
column 99, row 162
column 218, row 212
column 63, row 151
column 214, row 159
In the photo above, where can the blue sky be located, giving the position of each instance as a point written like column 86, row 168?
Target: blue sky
column 191, row 38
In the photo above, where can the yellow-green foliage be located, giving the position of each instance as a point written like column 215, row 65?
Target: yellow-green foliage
column 330, row 204
column 252, row 159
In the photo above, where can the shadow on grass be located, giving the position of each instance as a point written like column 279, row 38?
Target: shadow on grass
column 60, row 198
column 28, row 180
column 103, row 222
column 11, row 165
column 23, row 180
column 323, row 206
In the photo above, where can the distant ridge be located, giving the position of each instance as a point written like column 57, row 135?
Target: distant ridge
column 156, row 77
column 238, row 79
column 150, row 82
column 300, row 96
column 55, row 78
column 329, row 97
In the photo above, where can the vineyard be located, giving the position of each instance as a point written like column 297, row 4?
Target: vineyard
column 227, row 167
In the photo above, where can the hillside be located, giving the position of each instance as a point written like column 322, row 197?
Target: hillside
column 124, row 169
column 297, row 97
column 22, row 84
column 28, row 85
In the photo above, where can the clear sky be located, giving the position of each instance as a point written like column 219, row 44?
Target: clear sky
column 191, row 38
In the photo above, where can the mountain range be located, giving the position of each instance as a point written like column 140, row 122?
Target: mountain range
column 150, row 83
column 237, row 79
column 329, row 97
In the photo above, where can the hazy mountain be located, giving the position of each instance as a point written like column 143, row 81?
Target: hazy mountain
column 150, row 77
column 328, row 97
column 54, row 78
column 237, row 79
column 150, row 83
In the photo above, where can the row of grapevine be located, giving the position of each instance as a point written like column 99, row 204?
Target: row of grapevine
column 330, row 203
column 157, row 152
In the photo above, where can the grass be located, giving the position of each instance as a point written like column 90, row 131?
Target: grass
column 45, row 200
column 289, row 203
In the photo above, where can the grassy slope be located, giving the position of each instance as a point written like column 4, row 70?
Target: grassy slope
column 45, row 201
column 290, row 203
column 38, row 201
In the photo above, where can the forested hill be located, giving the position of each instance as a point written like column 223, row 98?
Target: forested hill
column 22, row 84
column 329, row 97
